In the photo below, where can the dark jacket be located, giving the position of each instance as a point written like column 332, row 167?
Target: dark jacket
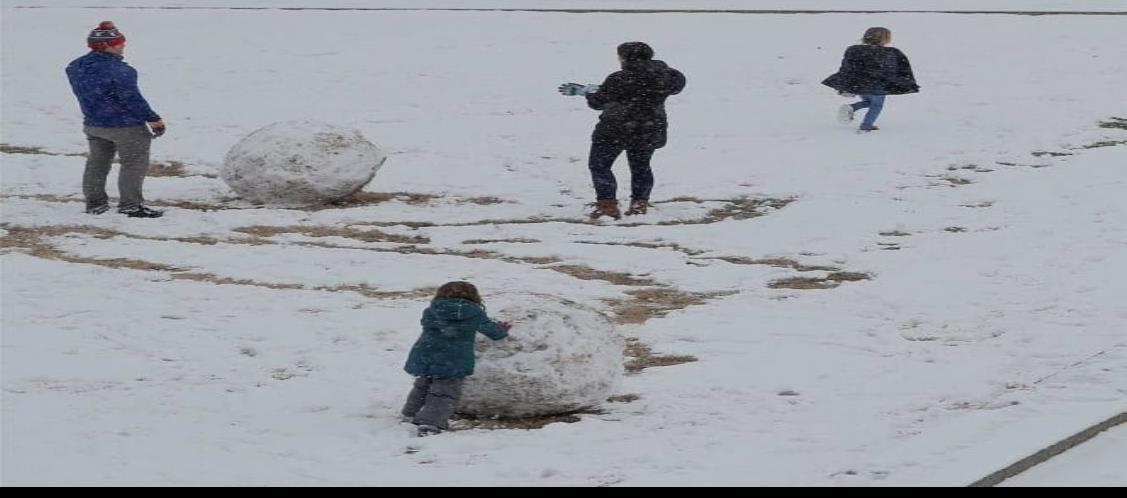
column 107, row 91
column 873, row 70
column 633, row 105
column 445, row 349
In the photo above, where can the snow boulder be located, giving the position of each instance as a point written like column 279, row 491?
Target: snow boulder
column 299, row 163
column 560, row 357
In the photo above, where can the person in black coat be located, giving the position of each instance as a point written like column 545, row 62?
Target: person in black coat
column 633, row 119
column 871, row 71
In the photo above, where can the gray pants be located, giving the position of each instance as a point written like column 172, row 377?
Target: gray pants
column 132, row 144
column 433, row 401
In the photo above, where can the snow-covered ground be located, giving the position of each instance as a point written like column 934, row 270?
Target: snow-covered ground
column 1098, row 462
column 224, row 344
column 790, row 5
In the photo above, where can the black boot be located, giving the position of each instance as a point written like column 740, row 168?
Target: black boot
column 141, row 212
column 99, row 209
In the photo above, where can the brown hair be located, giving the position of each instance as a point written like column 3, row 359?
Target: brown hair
column 875, row 36
column 459, row 289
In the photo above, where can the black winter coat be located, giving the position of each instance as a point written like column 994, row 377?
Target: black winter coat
column 633, row 105
column 873, row 70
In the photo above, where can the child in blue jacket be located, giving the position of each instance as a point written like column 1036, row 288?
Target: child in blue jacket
column 443, row 356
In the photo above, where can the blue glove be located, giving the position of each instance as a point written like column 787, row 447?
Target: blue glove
column 577, row 89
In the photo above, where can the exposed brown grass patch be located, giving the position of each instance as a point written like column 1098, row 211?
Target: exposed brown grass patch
column 647, row 245
column 463, row 421
column 1115, row 123
column 802, row 283
column 655, row 302
column 170, row 168
column 623, row 398
column 219, row 280
column 46, row 197
column 1105, row 143
column 536, row 260
column 501, row 241
column 775, row 262
column 407, row 248
column 983, row 204
column 830, row 281
column 374, row 293
column 510, row 221
column 156, row 169
column 848, row 276
column 361, row 289
column 741, row 208
column 370, row 235
column 956, row 181
column 23, row 149
column 483, row 201
column 738, row 209
column 192, row 205
column 970, row 167
column 372, row 198
column 31, row 241
column 1019, row 165
column 587, row 273
column 641, row 357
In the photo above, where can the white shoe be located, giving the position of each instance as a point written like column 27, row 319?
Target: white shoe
column 845, row 114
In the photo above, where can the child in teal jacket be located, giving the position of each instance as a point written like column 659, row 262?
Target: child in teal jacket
column 443, row 356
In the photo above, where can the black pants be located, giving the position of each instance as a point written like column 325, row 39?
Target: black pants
column 606, row 187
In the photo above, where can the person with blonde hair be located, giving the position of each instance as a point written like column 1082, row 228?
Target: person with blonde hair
column 871, row 71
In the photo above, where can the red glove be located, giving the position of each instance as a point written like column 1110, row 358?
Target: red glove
column 505, row 325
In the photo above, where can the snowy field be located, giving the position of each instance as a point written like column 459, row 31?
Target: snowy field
column 922, row 305
column 1098, row 461
column 639, row 5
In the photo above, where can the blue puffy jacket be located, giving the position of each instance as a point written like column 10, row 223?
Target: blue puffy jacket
column 107, row 91
column 445, row 350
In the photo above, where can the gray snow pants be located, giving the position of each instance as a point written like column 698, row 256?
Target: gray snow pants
column 432, row 401
column 132, row 144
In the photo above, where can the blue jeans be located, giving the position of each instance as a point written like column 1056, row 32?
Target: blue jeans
column 875, row 103
column 606, row 187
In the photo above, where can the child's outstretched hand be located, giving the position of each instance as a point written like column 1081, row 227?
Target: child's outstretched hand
column 505, row 325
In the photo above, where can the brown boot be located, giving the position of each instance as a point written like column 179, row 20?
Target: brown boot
column 606, row 208
column 637, row 207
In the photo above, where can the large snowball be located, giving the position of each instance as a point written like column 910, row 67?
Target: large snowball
column 560, row 357
column 297, row 163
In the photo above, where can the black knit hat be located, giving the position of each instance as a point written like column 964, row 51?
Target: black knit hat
column 635, row 51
